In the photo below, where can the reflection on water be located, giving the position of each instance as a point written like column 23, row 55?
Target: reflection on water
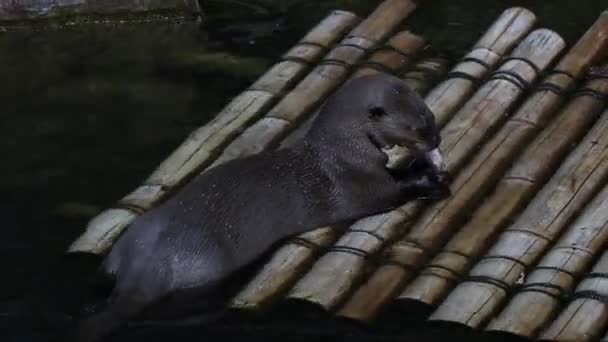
column 89, row 110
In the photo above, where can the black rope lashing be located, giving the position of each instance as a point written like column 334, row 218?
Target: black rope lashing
column 349, row 250
column 595, row 275
column 528, row 286
column 487, row 280
column 296, row 60
column 407, row 267
column 527, row 61
column 376, row 66
column 466, row 256
column 530, row 232
column 510, row 77
column 476, row 60
column 296, row 240
column 562, row 72
column 597, row 73
column 557, row 297
column 130, row 207
column 356, row 46
column 455, row 274
column 315, row 44
column 592, row 93
column 561, row 270
column 391, row 48
column 463, row 75
column 589, row 294
column 552, row 87
column 370, row 233
column 332, row 61
column 517, row 261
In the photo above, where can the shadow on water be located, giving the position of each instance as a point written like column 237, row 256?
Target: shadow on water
column 90, row 109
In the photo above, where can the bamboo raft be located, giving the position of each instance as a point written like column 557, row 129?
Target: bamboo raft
column 519, row 247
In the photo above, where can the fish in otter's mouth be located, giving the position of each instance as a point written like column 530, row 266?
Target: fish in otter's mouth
column 401, row 157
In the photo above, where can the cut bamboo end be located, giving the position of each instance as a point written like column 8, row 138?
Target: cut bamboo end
column 538, row 298
column 483, row 292
column 424, row 74
column 586, row 316
column 473, row 122
column 102, row 230
column 288, row 263
column 202, row 145
column 537, row 51
column 397, row 53
column 482, row 173
column 510, row 27
column 513, row 22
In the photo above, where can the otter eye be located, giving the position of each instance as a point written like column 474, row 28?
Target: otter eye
column 376, row 112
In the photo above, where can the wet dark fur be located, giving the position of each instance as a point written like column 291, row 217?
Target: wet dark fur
column 181, row 253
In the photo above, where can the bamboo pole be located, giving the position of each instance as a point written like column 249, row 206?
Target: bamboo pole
column 444, row 100
column 203, row 144
column 482, row 173
column 331, row 72
column 333, row 276
column 460, row 137
column 586, row 316
column 512, row 25
column 389, row 58
column 538, row 299
column 292, row 259
column 483, row 292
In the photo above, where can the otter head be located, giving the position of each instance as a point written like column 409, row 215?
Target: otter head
column 382, row 109
column 396, row 115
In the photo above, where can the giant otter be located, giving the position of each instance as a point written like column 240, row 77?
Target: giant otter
column 183, row 251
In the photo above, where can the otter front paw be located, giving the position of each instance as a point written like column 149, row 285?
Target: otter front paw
column 434, row 186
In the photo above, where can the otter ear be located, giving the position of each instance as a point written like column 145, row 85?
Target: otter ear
column 376, row 112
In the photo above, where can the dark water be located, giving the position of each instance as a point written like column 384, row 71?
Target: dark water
column 90, row 109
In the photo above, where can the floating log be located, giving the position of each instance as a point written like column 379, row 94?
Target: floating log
column 331, row 72
column 538, row 299
column 292, row 259
column 585, row 317
column 333, row 276
column 484, row 290
column 199, row 149
column 482, row 173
